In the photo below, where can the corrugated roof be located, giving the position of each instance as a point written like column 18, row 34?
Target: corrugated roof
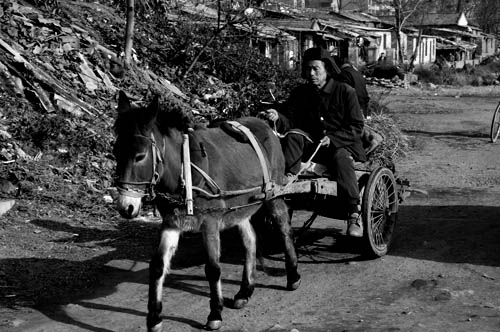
column 437, row 19
column 357, row 16
column 352, row 30
column 290, row 24
column 455, row 32
column 443, row 43
column 266, row 31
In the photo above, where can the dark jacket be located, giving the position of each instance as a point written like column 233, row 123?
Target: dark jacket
column 333, row 111
column 355, row 79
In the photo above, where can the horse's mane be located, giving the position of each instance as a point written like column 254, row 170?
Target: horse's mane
column 165, row 114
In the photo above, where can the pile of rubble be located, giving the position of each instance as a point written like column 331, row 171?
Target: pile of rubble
column 58, row 84
column 395, row 82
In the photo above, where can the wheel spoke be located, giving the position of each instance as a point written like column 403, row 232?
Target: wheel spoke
column 378, row 222
column 377, row 228
column 379, row 238
column 380, row 201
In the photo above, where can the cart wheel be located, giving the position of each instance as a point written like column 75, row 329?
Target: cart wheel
column 379, row 211
column 495, row 125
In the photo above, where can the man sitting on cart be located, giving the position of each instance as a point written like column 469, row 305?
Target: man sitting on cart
column 324, row 111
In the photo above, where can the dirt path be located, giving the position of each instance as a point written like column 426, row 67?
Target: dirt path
column 442, row 274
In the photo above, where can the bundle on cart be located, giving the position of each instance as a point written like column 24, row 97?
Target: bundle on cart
column 392, row 144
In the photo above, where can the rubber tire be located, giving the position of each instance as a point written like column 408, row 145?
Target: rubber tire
column 495, row 125
column 380, row 188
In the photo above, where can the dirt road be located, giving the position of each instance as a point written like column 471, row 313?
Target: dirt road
column 442, row 274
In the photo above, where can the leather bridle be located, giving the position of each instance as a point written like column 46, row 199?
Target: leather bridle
column 148, row 190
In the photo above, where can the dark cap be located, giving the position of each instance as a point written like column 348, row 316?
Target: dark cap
column 319, row 53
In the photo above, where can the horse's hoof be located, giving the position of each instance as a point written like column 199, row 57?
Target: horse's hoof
column 156, row 328
column 240, row 303
column 213, row 325
column 291, row 286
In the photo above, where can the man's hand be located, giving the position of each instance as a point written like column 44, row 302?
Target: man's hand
column 325, row 141
column 271, row 114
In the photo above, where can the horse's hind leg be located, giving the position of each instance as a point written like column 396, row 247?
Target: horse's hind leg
column 247, row 283
column 281, row 217
column 211, row 240
column 158, row 268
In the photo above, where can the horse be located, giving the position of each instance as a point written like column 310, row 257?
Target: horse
column 227, row 186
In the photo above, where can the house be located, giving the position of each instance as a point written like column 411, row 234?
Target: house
column 308, row 33
column 276, row 44
column 456, row 41
column 487, row 43
column 426, row 51
column 325, row 5
column 367, row 37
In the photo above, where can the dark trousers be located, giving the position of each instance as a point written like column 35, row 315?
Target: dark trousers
column 298, row 148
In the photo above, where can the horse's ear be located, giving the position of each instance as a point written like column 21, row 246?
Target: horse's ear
column 154, row 106
column 123, row 102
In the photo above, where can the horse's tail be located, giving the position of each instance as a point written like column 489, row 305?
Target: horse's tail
column 268, row 241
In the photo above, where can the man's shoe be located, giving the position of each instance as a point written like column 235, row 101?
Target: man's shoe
column 355, row 225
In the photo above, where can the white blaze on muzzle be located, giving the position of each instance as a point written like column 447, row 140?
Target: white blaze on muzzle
column 129, row 206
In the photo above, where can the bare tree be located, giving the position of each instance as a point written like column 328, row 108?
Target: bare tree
column 403, row 11
column 129, row 32
column 487, row 14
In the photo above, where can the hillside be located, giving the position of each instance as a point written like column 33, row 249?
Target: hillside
column 59, row 77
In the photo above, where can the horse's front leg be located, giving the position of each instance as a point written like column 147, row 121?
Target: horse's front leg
column 281, row 217
column 247, row 283
column 158, row 268
column 211, row 241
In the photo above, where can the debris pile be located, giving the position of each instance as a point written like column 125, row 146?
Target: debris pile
column 57, row 88
column 386, row 83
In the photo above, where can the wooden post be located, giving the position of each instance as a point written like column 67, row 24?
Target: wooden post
column 186, row 159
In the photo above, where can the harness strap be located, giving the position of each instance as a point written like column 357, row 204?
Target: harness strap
column 298, row 132
column 207, row 177
column 218, row 191
column 256, row 147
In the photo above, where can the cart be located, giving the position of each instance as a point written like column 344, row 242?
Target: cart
column 380, row 196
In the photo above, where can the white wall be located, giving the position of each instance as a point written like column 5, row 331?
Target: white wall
column 427, row 50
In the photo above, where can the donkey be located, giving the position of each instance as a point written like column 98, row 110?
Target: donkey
column 227, row 181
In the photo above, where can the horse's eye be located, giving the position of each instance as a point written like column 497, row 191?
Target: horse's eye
column 139, row 157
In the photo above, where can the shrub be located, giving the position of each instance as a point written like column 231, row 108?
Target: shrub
column 479, row 75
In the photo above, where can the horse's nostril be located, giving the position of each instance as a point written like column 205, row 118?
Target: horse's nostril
column 130, row 210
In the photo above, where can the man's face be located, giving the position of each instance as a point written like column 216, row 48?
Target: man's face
column 316, row 73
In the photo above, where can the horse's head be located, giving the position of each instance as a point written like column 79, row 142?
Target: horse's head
column 138, row 157
column 147, row 151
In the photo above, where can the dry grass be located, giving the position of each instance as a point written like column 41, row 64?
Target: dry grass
column 395, row 145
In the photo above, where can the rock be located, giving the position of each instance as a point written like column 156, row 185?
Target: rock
column 6, row 205
column 420, row 284
column 7, row 187
column 444, row 295
column 17, row 322
column 276, row 327
column 107, row 199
